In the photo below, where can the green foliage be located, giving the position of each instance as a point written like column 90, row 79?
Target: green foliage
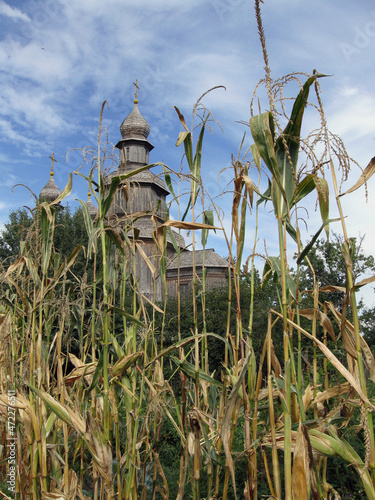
column 69, row 233
column 328, row 262
column 15, row 231
column 329, row 265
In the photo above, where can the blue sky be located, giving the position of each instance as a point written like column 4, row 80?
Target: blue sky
column 60, row 60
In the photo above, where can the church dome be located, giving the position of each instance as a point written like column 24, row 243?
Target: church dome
column 50, row 191
column 135, row 126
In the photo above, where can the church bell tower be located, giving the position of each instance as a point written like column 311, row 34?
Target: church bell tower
column 142, row 195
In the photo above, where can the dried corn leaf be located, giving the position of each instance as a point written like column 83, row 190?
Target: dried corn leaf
column 182, row 119
column 235, row 205
column 366, row 281
column 146, row 259
column 186, row 225
column 101, row 452
column 332, row 288
column 275, row 362
column 324, row 321
column 81, row 371
column 301, row 467
column 332, row 392
column 227, row 419
column 124, row 363
column 349, row 342
column 249, row 188
column 307, row 397
column 54, row 496
column 332, row 359
column 17, row 400
column 65, row 413
column 365, row 176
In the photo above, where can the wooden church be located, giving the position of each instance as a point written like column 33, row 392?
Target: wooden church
column 143, row 197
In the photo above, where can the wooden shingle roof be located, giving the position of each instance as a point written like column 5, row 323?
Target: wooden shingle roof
column 211, row 259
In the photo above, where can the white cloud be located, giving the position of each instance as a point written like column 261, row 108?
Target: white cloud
column 13, row 12
column 353, row 116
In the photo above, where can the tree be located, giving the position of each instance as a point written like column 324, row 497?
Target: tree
column 216, row 314
column 328, row 262
column 69, row 233
column 15, row 231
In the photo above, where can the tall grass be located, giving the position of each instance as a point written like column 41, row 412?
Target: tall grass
column 90, row 423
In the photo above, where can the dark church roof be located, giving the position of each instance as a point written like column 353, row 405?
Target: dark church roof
column 211, row 259
column 145, row 177
column 146, row 230
column 50, row 191
column 135, row 126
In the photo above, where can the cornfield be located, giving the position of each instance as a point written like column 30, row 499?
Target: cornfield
column 89, row 418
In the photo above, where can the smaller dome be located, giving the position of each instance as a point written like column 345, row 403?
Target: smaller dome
column 50, row 191
column 135, row 126
column 91, row 207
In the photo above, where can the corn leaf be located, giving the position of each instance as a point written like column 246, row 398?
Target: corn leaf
column 335, row 362
column 366, row 174
column 309, row 246
column 208, row 220
column 272, row 268
column 189, row 369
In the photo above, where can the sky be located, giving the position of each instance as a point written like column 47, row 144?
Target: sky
column 60, row 60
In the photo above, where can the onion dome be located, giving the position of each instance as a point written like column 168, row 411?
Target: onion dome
column 91, row 207
column 50, row 191
column 134, row 125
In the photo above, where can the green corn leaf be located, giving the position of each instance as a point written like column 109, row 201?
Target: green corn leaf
column 208, row 218
column 89, row 179
column 189, row 370
column 188, row 145
column 105, row 205
column 169, row 184
column 33, row 271
column 287, row 145
column 89, row 228
column 240, row 246
column 127, row 315
column 184, row 342
column 323, row 197
column 173, row 240
column 86, row 217
column 116, row 239
column 97, row 374
column 47, row 229
column 196, row 166
column 291, row 231
column 305, row 187
column 65, row 192
column 308, row 247
column 256, row 155
column 64, row 412
column 272, row 268
column 187, row 209
column 281, row 156
column 118, row 349
column 266, row 196
column 262, row 130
